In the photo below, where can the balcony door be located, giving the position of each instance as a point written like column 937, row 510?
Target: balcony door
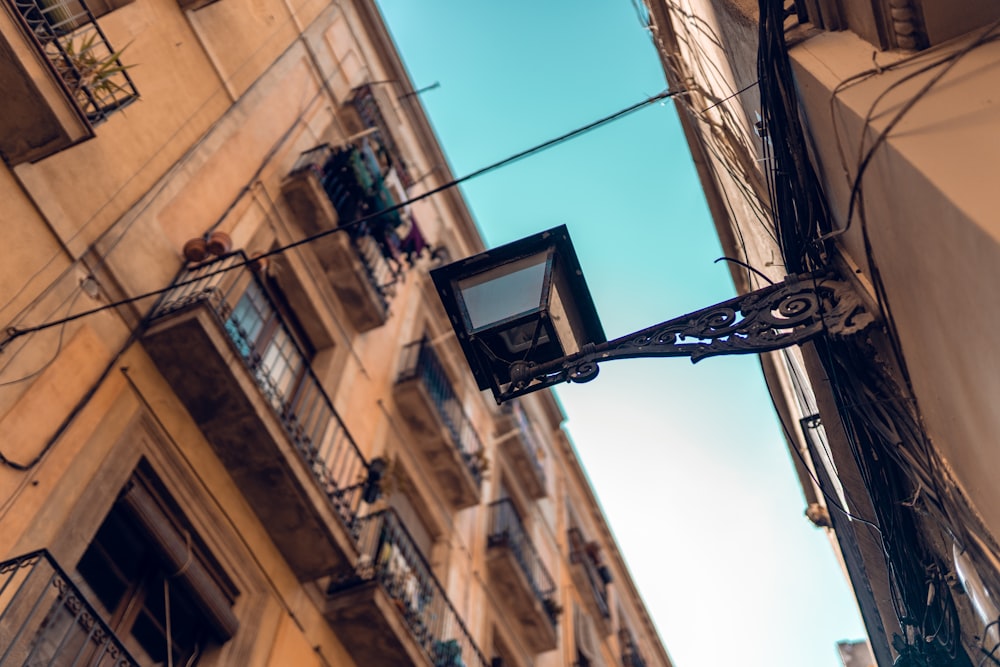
column 276, row 359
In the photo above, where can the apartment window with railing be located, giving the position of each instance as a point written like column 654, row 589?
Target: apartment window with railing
column 127, row 579
column 274, row 348
column 262, row 333
column 508, row 530
column 146, row 591
column 386, row 238
column 154, row 580
column 370, row 113
column 390, row 557
column 69, row 37
column 586, row 555
column 421, row 361
column 630, row 653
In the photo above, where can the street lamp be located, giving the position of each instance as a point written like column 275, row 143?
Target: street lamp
column 525, row 319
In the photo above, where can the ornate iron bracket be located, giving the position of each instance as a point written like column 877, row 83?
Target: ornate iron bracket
column 777, row 316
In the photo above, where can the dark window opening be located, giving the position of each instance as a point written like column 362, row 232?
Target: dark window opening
column 128, row 579
column 153, row 580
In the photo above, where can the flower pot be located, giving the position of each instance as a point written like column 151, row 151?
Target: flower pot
column 219, row 243
column 195, row 250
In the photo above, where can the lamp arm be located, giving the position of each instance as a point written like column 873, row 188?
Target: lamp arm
column 788, row 313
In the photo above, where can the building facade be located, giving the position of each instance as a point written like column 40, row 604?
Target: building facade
column 861, row 138
column 235, row 426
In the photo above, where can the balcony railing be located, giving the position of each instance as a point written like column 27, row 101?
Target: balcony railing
column 46, row 620
column 580, row 556
column 420, row 361
column 68, row 35
column 390, row 557
column 631, row 657
column 507, row 530
column 520, row 444
column 371, row 115
column 351, row 180
column 529, row 440
column 280, row 368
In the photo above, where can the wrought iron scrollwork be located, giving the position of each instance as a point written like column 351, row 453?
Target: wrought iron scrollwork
column 774, row 317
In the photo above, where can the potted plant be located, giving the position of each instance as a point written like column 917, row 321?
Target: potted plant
column 95, row 78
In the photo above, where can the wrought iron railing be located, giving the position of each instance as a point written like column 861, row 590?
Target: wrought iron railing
column 529, row 442
column 631, row 657
column 352, row 182
column 367, row 106
column 256, row 329
column 420, row 361
column 390, row 557
column 507, row 530
column 46, row 620
column 580, row 556
column 68, row 35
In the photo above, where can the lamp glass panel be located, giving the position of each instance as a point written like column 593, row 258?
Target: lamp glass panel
column 507, row 291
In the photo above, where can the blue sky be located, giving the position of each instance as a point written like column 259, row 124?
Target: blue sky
column 688, row 460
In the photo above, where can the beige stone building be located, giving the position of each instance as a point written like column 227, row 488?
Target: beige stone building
column 235, row 427
column 864, row 138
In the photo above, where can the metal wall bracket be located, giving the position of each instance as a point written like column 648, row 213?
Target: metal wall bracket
column 774, row 317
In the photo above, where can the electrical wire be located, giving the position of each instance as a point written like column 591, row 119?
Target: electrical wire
column 799, row 204
column 746, row 266
column 13, row 333
column 831, row 500
column 736, row 94
column 72, row 298
column 948, row 62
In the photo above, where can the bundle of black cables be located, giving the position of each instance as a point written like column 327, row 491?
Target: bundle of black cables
column 800, row 210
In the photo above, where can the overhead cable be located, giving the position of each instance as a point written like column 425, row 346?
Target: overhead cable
column 13, row 333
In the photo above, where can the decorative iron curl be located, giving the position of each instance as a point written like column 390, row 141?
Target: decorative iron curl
column 583, row 372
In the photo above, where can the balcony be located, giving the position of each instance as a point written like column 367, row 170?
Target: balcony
column 46, row 620
column 329, row 187
column 440, row 427
column 367, row 115
column 391, row 610
column 631, row 657
column 521, row 447
column 520, row 577
column 61, row 77
column 218, row 337
column 590, row 577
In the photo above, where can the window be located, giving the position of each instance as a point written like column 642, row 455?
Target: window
column 71, row 39
column 153, row 582
column 131, row 587
column 258, row 330
column 421, row 535
column 590, row 572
